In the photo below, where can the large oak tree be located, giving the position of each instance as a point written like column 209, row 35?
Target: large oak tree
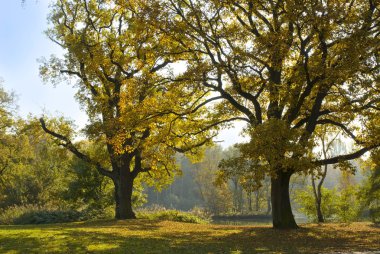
column 123, row 76
column 286, row 67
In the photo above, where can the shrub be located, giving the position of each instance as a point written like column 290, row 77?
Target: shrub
column 160, row 213
column 47, row 217
column 8, row 215
column 201, row 213
column 31, row 214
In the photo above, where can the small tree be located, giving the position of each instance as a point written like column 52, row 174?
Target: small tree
column 330, row 145
column 217, row 199
column 329, row 199
column 244, row 174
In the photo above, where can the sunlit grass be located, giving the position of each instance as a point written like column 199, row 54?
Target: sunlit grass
column 145, row 236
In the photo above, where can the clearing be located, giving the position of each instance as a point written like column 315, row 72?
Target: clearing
column 146, row 236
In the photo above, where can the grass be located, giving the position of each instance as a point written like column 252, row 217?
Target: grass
column 146, row 236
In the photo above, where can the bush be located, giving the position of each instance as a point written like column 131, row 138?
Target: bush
column 30, row 214
column 160, row 213
column 47, row 217
column 7, row 216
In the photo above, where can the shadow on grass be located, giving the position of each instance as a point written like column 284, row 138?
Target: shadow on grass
column 155, row 237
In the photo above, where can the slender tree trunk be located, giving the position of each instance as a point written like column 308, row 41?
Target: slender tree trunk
column 250, row 201
column 237, row 201
column 123, row 196
column 319, row 212
column 269, row 205
column 257, row 196
column 318, row 201
column 281, row 209
column 269, row 200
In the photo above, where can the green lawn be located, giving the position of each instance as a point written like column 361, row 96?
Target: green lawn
column 144, row 236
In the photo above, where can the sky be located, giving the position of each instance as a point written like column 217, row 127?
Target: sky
column 22, row 43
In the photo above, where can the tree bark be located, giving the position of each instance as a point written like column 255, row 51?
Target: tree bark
column 123, row 196
column 281, row 209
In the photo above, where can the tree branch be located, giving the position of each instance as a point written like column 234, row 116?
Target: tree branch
column 341, row 126
column 346, row 157
column 69, row 145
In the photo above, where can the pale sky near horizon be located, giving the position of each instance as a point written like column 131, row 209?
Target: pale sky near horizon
column 22, row 43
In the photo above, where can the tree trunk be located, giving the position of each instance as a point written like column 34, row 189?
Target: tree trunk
column 269, row 200
column 257, row 196
column 269, row 206
column 318, row 199
column 319, row 212
column 249, row 199
column 281, row 209
column 123, row 197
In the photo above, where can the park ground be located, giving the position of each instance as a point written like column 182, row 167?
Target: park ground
column 146, row 236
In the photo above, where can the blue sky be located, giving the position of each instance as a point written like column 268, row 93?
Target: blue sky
column 22, row 43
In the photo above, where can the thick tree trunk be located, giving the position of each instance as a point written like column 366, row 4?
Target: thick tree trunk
column 281, row 209
column 123, row 198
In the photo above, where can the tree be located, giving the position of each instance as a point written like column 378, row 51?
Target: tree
column 216, row 199
column 36, row 172
column 244, row 174
column 286, row 67
column 123, row 77
column 328, row 204
column 8, row 146
column 331, row 146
